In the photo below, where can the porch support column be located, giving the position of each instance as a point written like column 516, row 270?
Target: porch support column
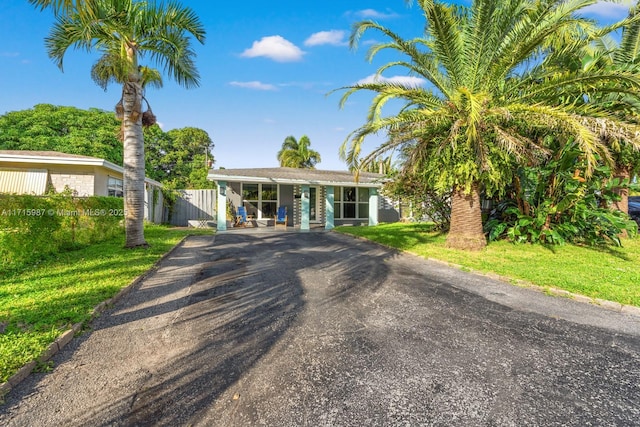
column 222, row 206
column 373, row 206
column 304, row 208
column 328, row 207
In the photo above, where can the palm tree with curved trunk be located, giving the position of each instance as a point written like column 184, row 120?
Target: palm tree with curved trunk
column 125, row 32
column 486, row 96
column 297, row 154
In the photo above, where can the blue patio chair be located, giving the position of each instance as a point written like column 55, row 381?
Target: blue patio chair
column 241, row 217
column 281, row 217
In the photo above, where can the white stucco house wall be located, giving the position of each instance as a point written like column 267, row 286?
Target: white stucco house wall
column 35, row 172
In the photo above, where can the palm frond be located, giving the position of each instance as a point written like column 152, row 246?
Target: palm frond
column 443, row 26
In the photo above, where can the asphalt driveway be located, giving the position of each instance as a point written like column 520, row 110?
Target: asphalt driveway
column 320, row 329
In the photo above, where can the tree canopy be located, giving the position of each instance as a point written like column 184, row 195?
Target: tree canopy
column 179, row 158
column 69, row 130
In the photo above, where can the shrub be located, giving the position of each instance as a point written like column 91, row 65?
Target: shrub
column 33, row 227
column 554, row 204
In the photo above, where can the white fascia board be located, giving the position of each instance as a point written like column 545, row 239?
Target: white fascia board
column 53, row 160
column 69, row 161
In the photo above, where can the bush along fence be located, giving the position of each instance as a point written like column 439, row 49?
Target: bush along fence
column 32, row 227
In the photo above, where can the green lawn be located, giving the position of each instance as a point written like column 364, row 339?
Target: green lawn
column 37, row 304
column 611, row 274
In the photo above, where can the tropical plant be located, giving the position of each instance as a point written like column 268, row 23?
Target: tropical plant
column 58, row 5
column 553, row 204
column 606, row 54
column 381, row 165
column 297, row 154
column 488, row 93
column 124, row 32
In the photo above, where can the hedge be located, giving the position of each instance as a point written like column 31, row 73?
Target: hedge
column 33, row 227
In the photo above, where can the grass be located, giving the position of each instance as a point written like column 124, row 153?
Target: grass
column 611, row 274
column 45, row 299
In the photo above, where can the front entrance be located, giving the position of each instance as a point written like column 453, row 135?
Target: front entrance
column 314, row 205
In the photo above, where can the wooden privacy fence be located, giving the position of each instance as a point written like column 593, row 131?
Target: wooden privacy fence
column 195, row 206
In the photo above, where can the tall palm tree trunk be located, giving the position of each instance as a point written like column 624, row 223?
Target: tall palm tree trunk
column 133, row 164
column 466, row 220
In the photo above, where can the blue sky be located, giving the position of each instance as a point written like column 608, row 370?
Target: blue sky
column 266, row 68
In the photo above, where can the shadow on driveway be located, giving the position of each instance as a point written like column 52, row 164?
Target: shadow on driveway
column 175, row 344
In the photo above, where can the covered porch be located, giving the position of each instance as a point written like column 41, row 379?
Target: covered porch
column 313, row 198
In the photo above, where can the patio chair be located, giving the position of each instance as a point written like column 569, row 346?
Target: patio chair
column 241, row 217
column 281, row 217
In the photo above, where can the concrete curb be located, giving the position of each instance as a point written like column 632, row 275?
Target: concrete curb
column 66, row 337
column 608, row 305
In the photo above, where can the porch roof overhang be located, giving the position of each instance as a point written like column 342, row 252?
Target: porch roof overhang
column 295, row 176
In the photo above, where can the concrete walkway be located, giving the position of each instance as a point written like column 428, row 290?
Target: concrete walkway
column 320, row 329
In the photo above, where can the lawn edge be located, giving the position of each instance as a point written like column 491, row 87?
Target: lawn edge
column 557, row 292
column 65, row 337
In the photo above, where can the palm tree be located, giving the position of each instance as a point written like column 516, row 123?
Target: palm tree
column 297, row 154
column 58, row 5
column 83, row 7
column 125, row 32
column 623, row 56
column 487, row 96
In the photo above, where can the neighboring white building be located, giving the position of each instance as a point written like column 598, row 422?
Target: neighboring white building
column 35, row 172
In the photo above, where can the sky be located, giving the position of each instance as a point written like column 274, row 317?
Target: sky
column 268, row 70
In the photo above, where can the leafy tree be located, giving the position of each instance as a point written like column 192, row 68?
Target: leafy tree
column 297, row 154
column 487, row 94
column 69, row 130
column 179, row 158
column 124, row 32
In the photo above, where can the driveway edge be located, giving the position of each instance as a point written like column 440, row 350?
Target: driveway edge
column 65, row 337
column 608, row 305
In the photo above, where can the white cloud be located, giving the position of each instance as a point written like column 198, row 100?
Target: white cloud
column 9, row 54
column 407, row 81
column 274, row 47
column 332, row 37
column 254, row 85
column 374, row 14
column 607, row 9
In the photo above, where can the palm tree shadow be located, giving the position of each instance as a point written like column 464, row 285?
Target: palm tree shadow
column 246, row 294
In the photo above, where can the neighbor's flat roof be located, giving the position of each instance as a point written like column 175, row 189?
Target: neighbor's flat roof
column 55, row 157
